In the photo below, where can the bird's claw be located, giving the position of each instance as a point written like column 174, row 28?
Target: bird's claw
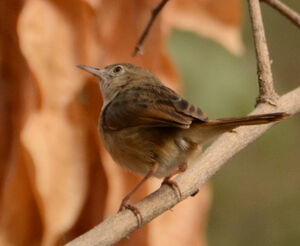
column 173, row 185
column 125, row 205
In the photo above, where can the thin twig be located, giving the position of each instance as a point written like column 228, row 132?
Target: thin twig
column 139, row 46
column 118, row 226
column 292, row 15
column 265, row 78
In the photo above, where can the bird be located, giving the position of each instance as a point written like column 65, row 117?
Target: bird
column 150, row 130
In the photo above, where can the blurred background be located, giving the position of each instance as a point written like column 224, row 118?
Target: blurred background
column 256, row 196
column 56, row 179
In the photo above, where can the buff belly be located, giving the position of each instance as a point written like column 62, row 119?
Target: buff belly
column 138, row 150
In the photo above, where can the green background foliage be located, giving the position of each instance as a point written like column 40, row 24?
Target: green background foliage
column 256, row 196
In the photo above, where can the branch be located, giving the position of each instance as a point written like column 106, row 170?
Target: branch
column 118, row 226
column 292, row 15
column 138, row 47
column 265, row 78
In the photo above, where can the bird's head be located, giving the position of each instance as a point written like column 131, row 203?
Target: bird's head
column 117, row 77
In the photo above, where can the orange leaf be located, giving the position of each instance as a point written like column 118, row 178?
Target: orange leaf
column 216, row 19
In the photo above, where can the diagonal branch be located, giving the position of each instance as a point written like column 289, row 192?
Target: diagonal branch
column 292, row 15
column 118, row 226
column 265, row 78
column 138, row 47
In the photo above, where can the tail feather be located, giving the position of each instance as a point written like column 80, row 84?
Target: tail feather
column 204, row 131
column 247, row 120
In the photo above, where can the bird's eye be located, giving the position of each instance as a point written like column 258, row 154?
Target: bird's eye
column 117, row 69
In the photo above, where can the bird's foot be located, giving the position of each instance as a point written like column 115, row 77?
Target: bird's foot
column 173, row 185
column 126, row 205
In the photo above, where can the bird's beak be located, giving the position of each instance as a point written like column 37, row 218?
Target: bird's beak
column 93, row 70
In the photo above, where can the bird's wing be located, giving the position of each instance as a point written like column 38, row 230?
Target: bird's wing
column 150, row 106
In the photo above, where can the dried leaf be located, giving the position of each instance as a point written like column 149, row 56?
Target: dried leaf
column 215, row 19
column 20, row 223
column 55, row 143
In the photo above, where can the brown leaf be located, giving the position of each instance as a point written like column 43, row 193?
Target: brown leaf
column 55, row 143
column 216, row 19
column 20, row 223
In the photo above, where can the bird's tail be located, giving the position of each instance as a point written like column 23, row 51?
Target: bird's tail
column 246, row 120
column 211, row 128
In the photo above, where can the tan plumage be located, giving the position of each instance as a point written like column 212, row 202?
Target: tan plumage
column 149, row 129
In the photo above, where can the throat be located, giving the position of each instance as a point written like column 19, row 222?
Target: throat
column 108, row 94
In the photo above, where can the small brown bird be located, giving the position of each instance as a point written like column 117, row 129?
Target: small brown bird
column 149, row 129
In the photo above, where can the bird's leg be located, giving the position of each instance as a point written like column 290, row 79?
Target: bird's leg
column 126, row 205
column 172, row 183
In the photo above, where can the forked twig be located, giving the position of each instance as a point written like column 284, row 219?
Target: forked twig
column 138, row 47
column 292, row 15
column 267, row 93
